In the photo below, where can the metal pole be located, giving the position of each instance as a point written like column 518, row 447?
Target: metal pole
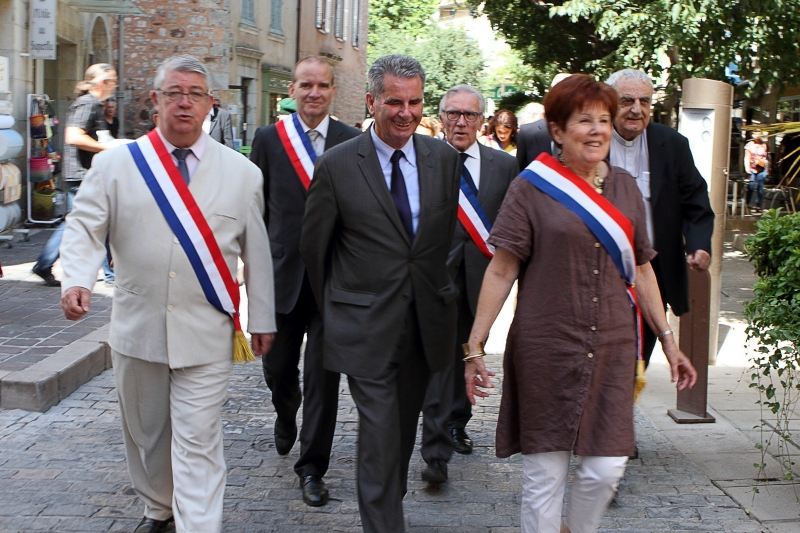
column 121, row 74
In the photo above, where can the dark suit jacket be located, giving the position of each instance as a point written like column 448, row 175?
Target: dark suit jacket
column 681, row 212
column 285, row 199
column 532, row 140
column 498, row 170
column 361, row 265
column 221, row 129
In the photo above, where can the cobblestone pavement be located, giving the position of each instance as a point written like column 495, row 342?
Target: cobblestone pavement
column 32, row 325
column 64, row 470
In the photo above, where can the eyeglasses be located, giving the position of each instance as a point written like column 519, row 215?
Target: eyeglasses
column 175, row 96
column 469, row 116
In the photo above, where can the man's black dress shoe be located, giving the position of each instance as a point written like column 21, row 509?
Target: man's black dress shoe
column 151, row 525
column 436, row 473
column 461, row 441
column 315, row 493
column 284, row 437
column 47, row 276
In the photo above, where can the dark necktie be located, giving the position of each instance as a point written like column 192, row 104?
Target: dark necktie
column 466, row 175
column 400, row 194
column 180, row 155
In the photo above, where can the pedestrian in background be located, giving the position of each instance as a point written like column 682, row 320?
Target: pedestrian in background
column 571, row 353
column 502, row 132
column 166, row 201
column 84, row 119
column 757, row 164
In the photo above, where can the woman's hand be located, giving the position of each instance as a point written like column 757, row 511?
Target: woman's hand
column 476, row 375
column 682, row 370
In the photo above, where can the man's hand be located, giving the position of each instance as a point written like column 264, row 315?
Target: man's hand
column 261, row 343
column 699, row 260
column 75, row 302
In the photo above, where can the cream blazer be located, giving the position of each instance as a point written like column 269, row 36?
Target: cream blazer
column 160, row 313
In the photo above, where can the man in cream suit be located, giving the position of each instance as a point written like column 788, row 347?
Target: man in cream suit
column 171, row 348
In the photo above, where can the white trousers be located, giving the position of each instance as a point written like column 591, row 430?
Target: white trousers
column 545, row 480
column 172, row 429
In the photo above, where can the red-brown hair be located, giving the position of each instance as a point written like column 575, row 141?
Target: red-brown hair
column 573, row 95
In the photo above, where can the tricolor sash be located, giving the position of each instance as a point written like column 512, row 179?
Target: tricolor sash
column 612, row 228
column 298, row 147
column 187, row 222
column 474, row 219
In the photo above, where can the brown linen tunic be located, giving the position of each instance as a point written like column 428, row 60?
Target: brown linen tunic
column 571, row 351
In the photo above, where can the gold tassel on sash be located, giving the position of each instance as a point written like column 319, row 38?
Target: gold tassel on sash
column 640, row 381
column 242, row 353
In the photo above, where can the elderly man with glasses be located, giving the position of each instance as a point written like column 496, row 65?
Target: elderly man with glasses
column 179, row 210
column 485, row 175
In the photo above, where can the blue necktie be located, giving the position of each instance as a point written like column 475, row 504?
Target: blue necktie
column 466, row 175
column 180, row 155
column 400, row 194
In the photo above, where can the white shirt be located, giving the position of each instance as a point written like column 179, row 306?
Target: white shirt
column 408, row 166
column 473, row 163
column 207, row 121
column 634, row 157
column 322, row 129
column 193, row 159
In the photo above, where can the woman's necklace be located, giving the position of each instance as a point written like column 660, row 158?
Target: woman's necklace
column 598, row 182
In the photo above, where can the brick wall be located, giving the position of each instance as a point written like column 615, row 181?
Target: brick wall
column 201, row 29
column 349, row 106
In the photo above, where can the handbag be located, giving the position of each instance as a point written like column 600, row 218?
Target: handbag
column 36, row 119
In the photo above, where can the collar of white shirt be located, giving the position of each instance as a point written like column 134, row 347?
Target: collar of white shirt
column 322, row 127
column 193, row 159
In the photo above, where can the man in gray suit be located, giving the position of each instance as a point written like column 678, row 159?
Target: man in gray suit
column 486, row 173
column 380, row 215
column 219, row 126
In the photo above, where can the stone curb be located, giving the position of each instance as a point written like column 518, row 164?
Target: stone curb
column 46, row 383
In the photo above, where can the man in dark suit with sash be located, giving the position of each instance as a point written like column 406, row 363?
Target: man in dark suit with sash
column 486, row 173
column 680, row 220
column 379, row 220
column 286, row 153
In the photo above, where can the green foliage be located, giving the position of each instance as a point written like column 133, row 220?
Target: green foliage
column 514, row 101
column 449, row 57
column 687, row 38
column 774, row 322
column 410, row 17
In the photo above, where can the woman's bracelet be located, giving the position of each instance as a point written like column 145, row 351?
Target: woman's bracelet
column 665, row 333
column 468, row 356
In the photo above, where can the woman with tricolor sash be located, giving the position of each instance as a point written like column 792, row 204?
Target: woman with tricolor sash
column 573, row 232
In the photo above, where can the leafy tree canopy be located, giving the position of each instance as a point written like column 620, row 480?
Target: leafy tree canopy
column 684, row 38
column 410, row 17
column 449, row 57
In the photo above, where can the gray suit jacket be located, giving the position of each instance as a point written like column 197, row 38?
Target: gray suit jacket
column 532, row 140
column 221, row 129
column 498, row 170
column 364, row 271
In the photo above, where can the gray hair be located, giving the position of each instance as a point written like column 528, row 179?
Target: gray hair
column 396, row 65
column 629, row 74
column 94, row 75
column 463, row 88
column 318, row 60
column 180, row 63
